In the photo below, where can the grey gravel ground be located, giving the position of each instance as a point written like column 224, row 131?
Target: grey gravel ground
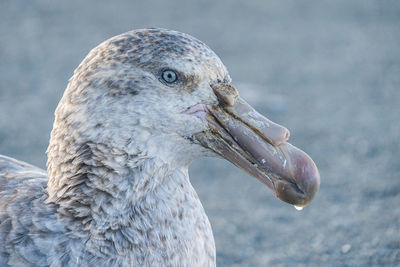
column 330, row 72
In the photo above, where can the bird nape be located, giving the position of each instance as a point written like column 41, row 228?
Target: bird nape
column 138, row 109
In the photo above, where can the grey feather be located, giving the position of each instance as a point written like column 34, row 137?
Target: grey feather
column 28, row 226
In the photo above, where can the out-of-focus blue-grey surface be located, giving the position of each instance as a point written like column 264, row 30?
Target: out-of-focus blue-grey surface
column 329, row 71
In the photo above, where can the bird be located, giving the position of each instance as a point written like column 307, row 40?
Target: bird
column 136, row 112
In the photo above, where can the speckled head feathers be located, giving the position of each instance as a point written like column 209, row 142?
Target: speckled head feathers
column 142, row 47
column 117, row 97
column 152, row 50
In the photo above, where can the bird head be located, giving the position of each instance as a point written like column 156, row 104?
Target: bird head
column 167, row 95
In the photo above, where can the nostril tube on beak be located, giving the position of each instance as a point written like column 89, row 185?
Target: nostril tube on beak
column 229, row 99
column 226, row 93
column 270, row 131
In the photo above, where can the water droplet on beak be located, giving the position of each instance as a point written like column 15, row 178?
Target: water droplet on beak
column 298, row 207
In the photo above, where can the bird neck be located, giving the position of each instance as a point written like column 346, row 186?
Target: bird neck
column 92, row 182
column 119, row 203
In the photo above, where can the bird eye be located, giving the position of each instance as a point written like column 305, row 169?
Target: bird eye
column 169, row 76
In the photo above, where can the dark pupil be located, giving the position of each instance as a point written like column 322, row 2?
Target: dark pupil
column 169, row 76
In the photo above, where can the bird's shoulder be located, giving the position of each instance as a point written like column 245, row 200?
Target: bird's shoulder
column 29, row 229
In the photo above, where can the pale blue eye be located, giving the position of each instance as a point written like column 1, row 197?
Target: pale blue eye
column 169, row 76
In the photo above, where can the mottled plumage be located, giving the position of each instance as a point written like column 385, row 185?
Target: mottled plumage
column 117, row 190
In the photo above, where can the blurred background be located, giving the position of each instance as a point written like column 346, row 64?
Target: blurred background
column 329, row 71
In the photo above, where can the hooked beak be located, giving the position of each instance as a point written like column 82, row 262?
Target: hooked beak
column 258, row 146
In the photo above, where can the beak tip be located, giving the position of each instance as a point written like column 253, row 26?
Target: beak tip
column 310, row 184
column 305, row 182
column 309, row 180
